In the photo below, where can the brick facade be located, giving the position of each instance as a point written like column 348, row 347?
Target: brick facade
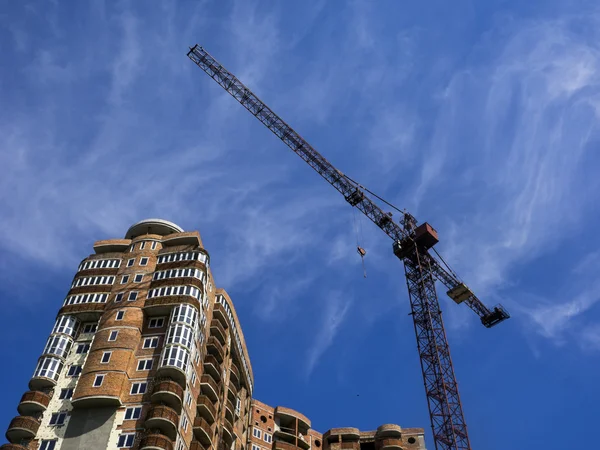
column 123, row 370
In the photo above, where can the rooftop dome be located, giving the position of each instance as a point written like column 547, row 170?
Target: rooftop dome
column 153, row 226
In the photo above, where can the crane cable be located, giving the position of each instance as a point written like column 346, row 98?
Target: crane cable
column 403, row 212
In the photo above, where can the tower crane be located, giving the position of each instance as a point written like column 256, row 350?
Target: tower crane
column 412, row 243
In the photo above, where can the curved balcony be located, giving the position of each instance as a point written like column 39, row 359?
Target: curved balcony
column 163, row 418
column 168, row 392
column 196, row 445
column 229, row 410
column 33, row 402
column 282, row 445
column 156, row 441
column 389, row 430
column 352, row 445
column 348, row 433
column 215, row 348
column 389, row 443
column 161, row 306
column 212, row 366
column 235, row 375
column 22, row 427
column 86, row 312
column 220, row 314
column 287, row 414
column 209, row 387
column 289, row 435
column 14, row 447
column 203, row 431
column 233, row 392
column 218, row 330
column 228, row 435
column 206, row 408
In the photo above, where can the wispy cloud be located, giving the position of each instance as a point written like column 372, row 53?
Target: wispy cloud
column 337, row 305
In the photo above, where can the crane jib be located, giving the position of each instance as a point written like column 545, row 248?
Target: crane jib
column 411, row 245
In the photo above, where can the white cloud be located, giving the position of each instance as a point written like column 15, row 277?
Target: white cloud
column 335, row 309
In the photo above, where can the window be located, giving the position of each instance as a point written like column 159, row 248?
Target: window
column 184, row 423
column 65, row 394
column 98, row 380
column 90, row 328
column 143, row 261
column 156, row 323
column 138, row 388
column 74, row 371
column 256, row 433
column 178, row 290
column 138, row 278
column 188, row 399
column 185, row 313
column 132, row 296
column 120, row 315
column 49, row 368
column 126, row 440
column 58, row 418
column 82, row 348
column 255, row 447
column 151, row 342
column 238, row 407
column 131, row 262
column 153, row 247
column 144, row 364
column 194, row 378
column 48, row 445
column 181, row 334
column 85, row 298
column 58, row 345
column 185, row 256
column 113, row 335
column 90, row 281
column 133, row 413
column 142, row 245
column 125, row 279
column 267, row 437
column 181, row 445
column 105, row 357
column 119, row 297
column 176, row 356
column 66, row 325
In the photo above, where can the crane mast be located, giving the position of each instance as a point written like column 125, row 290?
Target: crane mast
column 411, row 244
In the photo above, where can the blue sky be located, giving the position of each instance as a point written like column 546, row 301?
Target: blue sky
column 479, row 117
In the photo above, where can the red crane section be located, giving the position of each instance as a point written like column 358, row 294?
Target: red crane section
column 412, row 245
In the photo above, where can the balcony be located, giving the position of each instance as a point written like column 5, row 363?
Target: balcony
column 156, row 441
column 220, row 314
column 162, row 306
column 389, row 443
column 228, row 435
column 33, row 402
column 209, row 387
column 348, row 433
column 218, row 330
column 215, row 348
column 203, row 431
column 289, row 435
column 14, row 447
column 86, row 312
column 169, row 393
column 235, row 375
column 164, row 419
column 22, row 427
column 233, row 392
column 290, row 416
column 212, row 366
column 196, row 445
column 229, row 410
column 389, row 430
column 206, row 408
column 282, row 445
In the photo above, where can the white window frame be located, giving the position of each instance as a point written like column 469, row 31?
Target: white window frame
column 156, row 322
column 77, row 372
column 267, row 437
column 142, row 245
column 255, row 447
column 151, row 340
column 114, row 334
column 99, row 376
column 153, row 246
column 144, row 261
column 133, row 294
column 93, row 327
column 120, row 314
column 48, row 444
column 144, row 362
column 257, row 433
column 128, row 440
column 184, row 423
column 103, row 356
column 119, row 297
column 138, row 385
column 136, row 277
column 135, row 411
column 130, row 262
column 124, row 279
column 58, row 422
column 68, row 393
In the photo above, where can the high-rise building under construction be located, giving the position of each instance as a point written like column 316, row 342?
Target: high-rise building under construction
column 147, row 353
